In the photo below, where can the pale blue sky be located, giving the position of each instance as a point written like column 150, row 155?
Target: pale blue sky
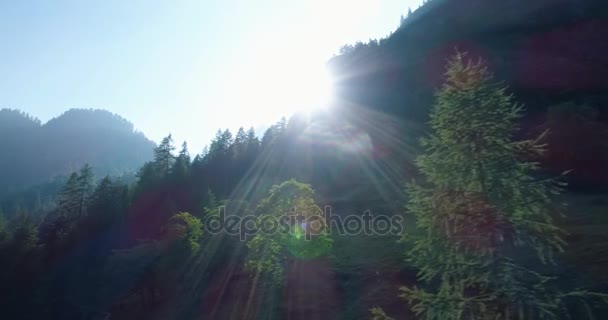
column 180, row 67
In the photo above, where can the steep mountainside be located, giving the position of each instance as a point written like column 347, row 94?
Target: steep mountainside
column 549, row 53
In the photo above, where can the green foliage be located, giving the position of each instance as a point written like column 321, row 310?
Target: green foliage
column 482, row 200
column 378, row 314
column 213, row 205
column 269, row 253
column 266, row 257
column 316, row 246
column 186, row 229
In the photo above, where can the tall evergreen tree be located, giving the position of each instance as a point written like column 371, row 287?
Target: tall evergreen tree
column 107, row 203
column 221, row 143
column 241, row 136
column 68, row 197
column 182, row 163
column 240, row 143
column 163, row 156
column 251, row 137
column 483, row 208
column 85, row 188
column 73, row 200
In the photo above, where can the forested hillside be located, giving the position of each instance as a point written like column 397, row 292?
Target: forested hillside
column 33, row 152
column 551, row 53
column 472, row 138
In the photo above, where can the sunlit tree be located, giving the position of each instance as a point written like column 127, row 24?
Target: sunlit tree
column 482, row 209
column 186, row 230
column 269, row 252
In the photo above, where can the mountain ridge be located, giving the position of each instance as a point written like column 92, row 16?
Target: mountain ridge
column 36, row 151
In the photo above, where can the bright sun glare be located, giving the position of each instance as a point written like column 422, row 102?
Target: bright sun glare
column 314, row 90
column 272, row 86
column 308, row 90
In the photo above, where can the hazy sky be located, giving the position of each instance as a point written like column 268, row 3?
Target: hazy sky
column 181, row 67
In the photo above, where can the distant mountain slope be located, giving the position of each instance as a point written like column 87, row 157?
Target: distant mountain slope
column 33, row 152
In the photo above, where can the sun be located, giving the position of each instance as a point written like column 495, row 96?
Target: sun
column 274, row 86
column 315, row 90
column 295, row 89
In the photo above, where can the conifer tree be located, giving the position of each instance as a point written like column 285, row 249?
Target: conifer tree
column 107, row 203
column 241, row 136
column 182, row 163
column 240, row 142
column 251, row 138
column 163, row 156
column 67, row 198
column 221, row 143
column 183, row 153
column 73, row 201
column 85, row 188
column 482, row 208
column 213, row 205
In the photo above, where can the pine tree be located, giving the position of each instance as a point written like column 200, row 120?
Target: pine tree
column 221, row 143
column 163, row 156
column 482, row 207
column 378, row 314
column 85, row 187
column 182, row 163
column 73, row 201
column 184, row 154
column 240, row 142
column 107, row 203
column 213, row 205
column 241, row 136
column 68, row 197
column 227, row 138
column 251, row 137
